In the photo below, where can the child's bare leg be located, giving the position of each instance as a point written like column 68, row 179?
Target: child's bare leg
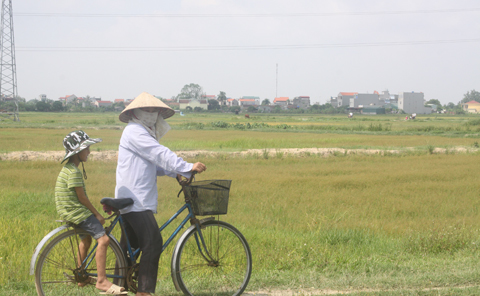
column 102, row 282
column 82, row 253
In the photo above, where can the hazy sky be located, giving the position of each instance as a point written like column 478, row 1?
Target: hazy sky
column 120, row 48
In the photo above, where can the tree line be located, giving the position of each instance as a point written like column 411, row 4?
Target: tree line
column 195, row 91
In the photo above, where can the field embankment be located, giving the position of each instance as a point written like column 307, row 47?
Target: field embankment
column 255, row 153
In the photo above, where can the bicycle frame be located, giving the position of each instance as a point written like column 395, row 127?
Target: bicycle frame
column 133, row 254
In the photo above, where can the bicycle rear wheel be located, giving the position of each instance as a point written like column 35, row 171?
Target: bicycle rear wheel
column 229, row 271
column 57, row 272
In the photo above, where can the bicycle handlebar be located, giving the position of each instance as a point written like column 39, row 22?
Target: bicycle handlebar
column 186, row 181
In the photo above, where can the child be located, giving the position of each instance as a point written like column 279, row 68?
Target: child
column 74, row 206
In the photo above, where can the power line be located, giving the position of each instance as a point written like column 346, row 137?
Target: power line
column 248, row 15
column 243, row 47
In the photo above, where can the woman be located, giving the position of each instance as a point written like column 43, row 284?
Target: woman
column 140, row 160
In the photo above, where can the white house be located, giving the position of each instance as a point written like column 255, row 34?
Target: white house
column 413, row 102
column 185, row 103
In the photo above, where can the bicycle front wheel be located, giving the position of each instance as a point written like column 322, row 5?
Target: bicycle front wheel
column 225, row 271
column 57, row 272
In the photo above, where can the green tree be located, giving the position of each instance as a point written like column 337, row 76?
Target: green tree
column 450, row 105
column 57, row 106
column 252, row 109
column 235, row 109
column 75, row 101
column 222, row 97
column 472, row 95
column 118, row 106
column 88, row 101
column 277, row 109
column 213, row 105
column 191, row 91
column 266, row 102
column 31, row 105
column 42, row 106
column 437, row 103
column 326, row 108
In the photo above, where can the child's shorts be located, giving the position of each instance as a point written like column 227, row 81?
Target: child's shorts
column 93, row 227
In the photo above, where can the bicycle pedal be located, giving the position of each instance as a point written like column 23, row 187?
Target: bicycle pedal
column 70, row 277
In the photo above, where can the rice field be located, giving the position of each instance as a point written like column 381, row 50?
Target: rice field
column 373, row 225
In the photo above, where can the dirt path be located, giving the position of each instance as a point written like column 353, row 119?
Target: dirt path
column 298, row 152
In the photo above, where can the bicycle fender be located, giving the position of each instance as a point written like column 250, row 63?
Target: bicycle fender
column 41, row 244
column 175, row 250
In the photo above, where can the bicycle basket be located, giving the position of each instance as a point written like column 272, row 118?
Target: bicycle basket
column 209, row 197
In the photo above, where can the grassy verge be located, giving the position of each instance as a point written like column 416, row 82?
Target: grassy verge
column 363, row 223
column 32, row 139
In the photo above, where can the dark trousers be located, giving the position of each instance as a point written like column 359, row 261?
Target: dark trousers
column 143, row 234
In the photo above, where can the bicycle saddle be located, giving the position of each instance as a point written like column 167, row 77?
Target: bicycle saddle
column 117, row 203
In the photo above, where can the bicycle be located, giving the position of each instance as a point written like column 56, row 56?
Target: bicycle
column 210, row 258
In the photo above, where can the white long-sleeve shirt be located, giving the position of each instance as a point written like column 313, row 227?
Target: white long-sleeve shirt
column 140, row 160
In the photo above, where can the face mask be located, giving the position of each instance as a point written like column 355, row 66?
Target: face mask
column 161, row 128
column 149, row 119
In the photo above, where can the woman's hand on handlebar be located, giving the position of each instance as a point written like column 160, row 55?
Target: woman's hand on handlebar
column 199, row 167
column 196, row 169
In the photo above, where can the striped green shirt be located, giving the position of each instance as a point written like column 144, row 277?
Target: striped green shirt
column 68, row 206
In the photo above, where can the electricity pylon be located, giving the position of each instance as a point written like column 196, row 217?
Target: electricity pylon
column 8, row 71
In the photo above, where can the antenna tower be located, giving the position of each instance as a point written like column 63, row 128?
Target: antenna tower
column 8, row 72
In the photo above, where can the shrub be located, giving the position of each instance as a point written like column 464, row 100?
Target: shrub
column 436, row 241
column 220, row 124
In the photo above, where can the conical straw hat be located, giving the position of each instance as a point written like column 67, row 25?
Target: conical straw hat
column 145, row 100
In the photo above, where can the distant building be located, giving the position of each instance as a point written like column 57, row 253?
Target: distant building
column 362, row 100
column 281, row 101
column 385, row 96
column 249, row 101
column 343, row 99
column 231, row 102
column 42, row 97
column 209, row 97
column 302, row 102
column 67, row 99
column 174, row 105
column 373, row 110
column 265, row 108
column 413, row 102
column 99, row 104
column 192, row 103
column 81, row 101
column 471, row 107
column 333, row 102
